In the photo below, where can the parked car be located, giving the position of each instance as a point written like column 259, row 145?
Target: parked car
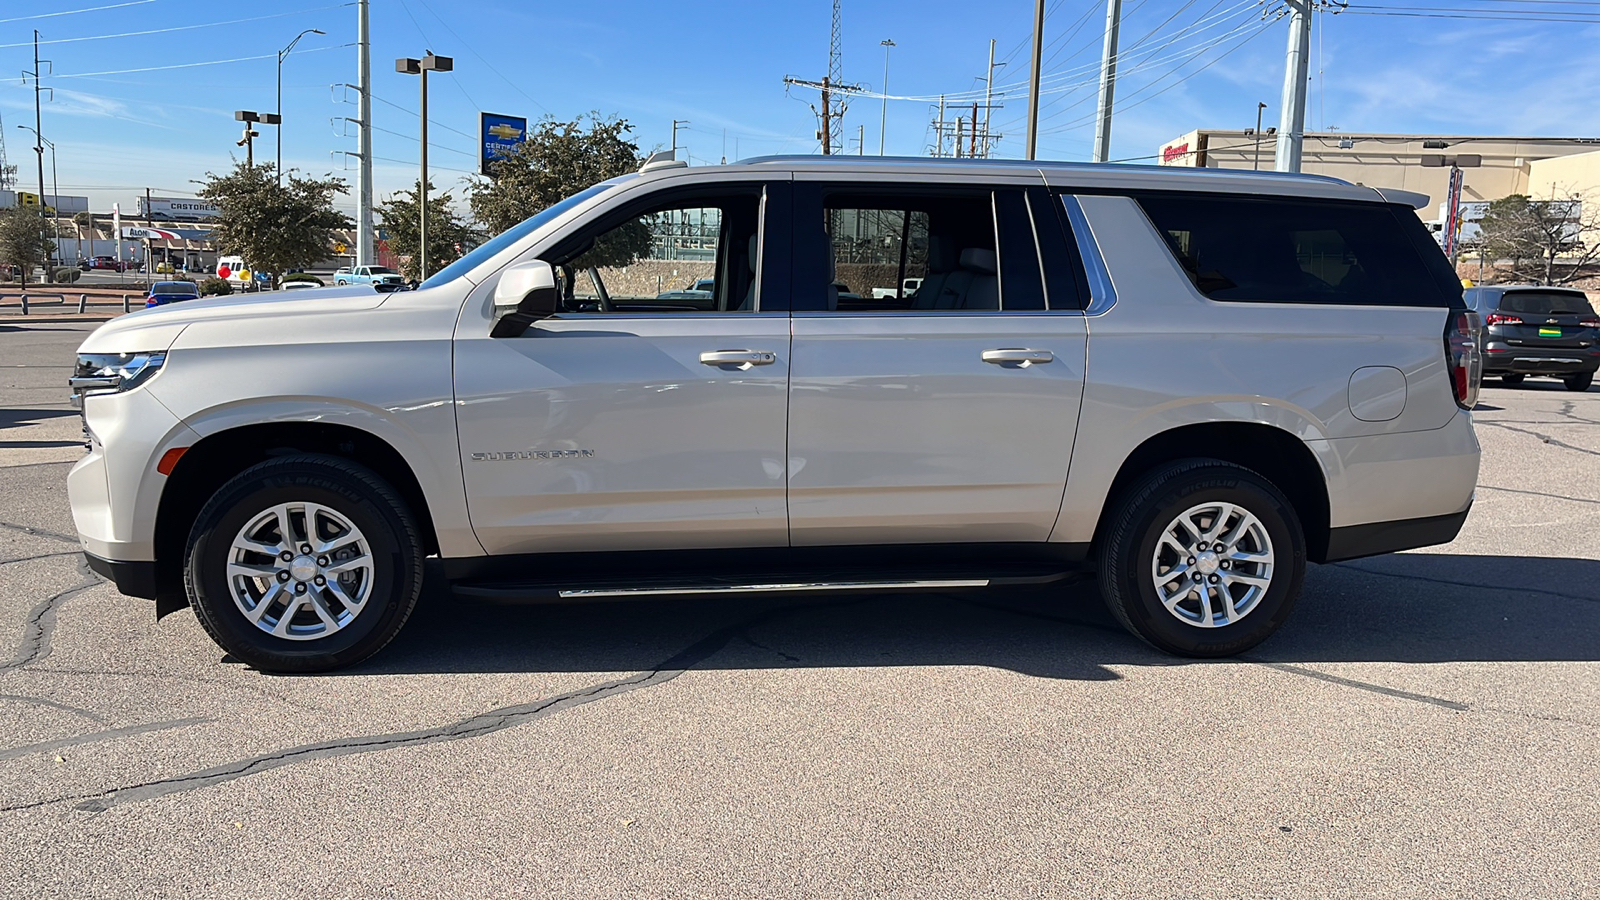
column 1242, row 372
column 908, row 288
column 109, row 262
column 164, row 292
column 367, row 275
column 1536, row 330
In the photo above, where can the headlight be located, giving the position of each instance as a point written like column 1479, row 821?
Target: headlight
column 109, row 373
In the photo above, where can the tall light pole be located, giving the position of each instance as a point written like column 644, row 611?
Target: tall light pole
column 248, row 142
column 1033, row 81
column 423, row 66
column 281, row 54
column 883, row 117
column 676, row 124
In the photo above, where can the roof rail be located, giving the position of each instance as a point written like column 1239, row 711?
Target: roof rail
column 1062, row 165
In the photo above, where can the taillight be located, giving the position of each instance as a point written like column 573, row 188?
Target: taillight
column 1590, row 321
column 1461, row 355
column 1503, row 319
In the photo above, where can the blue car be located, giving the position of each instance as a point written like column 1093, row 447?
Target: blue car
column 164, row 292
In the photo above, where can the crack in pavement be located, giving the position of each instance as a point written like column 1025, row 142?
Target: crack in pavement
column 97, row 736
column 40, row 556
column 1544, row 437
column 41, row 622
column 29, row 529
column 41, row 701
column 1467, row 584
column 475, row 726
column 1490, row 487
column 185, row 679
column 1360, row 685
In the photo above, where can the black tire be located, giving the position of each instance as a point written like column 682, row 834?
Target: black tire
column 1579, row 382
column 347, row 489
column 1512, row 379
column 1129, row 548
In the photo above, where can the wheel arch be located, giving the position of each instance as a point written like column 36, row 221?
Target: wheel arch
column 1271, row 452
column 217, row 457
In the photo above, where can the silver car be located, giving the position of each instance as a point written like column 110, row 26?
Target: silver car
column 1189, row 382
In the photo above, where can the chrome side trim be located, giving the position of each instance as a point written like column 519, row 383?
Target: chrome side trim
column 1102, row 295
column 772, row 588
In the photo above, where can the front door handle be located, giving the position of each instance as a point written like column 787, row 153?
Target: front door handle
column 1016, row 356
column 738, row 359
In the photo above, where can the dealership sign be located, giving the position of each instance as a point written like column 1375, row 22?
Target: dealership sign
column 498, row 137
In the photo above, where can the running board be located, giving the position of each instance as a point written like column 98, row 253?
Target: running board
column 752, row 583
column 780, row 587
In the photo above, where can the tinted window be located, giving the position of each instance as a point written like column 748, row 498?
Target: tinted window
column 1296, row 251
column 1546, row 303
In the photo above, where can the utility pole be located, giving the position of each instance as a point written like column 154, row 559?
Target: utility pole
column 960, row 121
column 38, row 131
column 972, row 151
column 988, row 103
column 365, row 250
column 861, row 140
column 832, row 109
column 1108, row 82
column 1033, row 82
column 675, row 124
column 1292, row 125
column 883, row 117
column 939, row 133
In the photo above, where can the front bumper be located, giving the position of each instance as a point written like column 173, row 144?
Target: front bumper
column 136, row 579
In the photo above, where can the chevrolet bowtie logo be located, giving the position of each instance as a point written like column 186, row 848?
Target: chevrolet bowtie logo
column 505, row 132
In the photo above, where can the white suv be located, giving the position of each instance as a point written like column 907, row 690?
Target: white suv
column 1193, row 382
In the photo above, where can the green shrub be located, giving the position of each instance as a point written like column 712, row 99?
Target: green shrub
column 215, row 287
column 303, row 276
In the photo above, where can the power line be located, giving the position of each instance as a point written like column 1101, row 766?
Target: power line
column 489, row 65
column 431, row 120
column 213, row 62
column 73, row 12
column 101, row 37
column 412, row 137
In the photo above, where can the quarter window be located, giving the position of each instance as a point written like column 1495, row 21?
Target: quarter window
column 1296, row 251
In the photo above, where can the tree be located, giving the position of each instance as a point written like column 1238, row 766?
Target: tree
column 446, row 230
column 557, row 160
column 274, row 227
column 26, row 239
column 1537, row 234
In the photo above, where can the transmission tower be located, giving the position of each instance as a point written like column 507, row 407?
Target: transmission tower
column 8, row 172
column 834, row 90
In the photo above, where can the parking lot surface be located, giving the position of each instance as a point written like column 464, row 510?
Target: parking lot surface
column 1427, row 725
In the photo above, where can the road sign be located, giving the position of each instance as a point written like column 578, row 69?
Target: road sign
column 340, row 249
column 499, row 136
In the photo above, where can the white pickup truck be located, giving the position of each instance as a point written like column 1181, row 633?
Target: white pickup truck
column 907, row 288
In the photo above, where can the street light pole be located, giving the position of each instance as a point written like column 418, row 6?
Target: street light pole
column 248, row 142
column 423, row 66
column 281, row 54
column 883, row 117
column 1260, row 108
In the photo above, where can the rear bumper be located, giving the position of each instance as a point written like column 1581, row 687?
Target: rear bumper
column 1356, row 541
column 1500, row 357
column 136, row 579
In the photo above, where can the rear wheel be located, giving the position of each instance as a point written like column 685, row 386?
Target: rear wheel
column 1512, row 379
column 304, row 564
column 1202, row 558
column 1579, row 382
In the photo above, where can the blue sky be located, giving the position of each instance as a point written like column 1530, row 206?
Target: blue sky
column 720, row 66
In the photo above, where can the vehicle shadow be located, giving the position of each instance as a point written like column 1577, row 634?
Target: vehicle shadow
column 1413, row 607
column 11, row 418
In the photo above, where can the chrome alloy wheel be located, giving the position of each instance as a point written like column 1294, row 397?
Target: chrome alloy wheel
column 300, row 571
column 1212, row 565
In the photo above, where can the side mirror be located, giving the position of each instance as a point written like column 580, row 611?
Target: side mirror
column 528, row 288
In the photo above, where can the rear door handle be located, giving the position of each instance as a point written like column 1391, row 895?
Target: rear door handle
column 741, row 359
column 1014, row 356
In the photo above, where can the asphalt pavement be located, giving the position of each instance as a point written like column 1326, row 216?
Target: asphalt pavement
column 1425, row 726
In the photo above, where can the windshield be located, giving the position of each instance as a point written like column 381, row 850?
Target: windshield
column 1546, row 303
column 513, row 234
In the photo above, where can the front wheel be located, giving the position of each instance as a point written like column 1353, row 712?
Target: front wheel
column 304, row 564
column 1579, row 382
column 1202, row 558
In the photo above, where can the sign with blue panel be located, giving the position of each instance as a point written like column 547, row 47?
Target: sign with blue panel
column 499, row 136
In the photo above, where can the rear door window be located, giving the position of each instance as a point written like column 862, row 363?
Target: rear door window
column 1292, row 250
